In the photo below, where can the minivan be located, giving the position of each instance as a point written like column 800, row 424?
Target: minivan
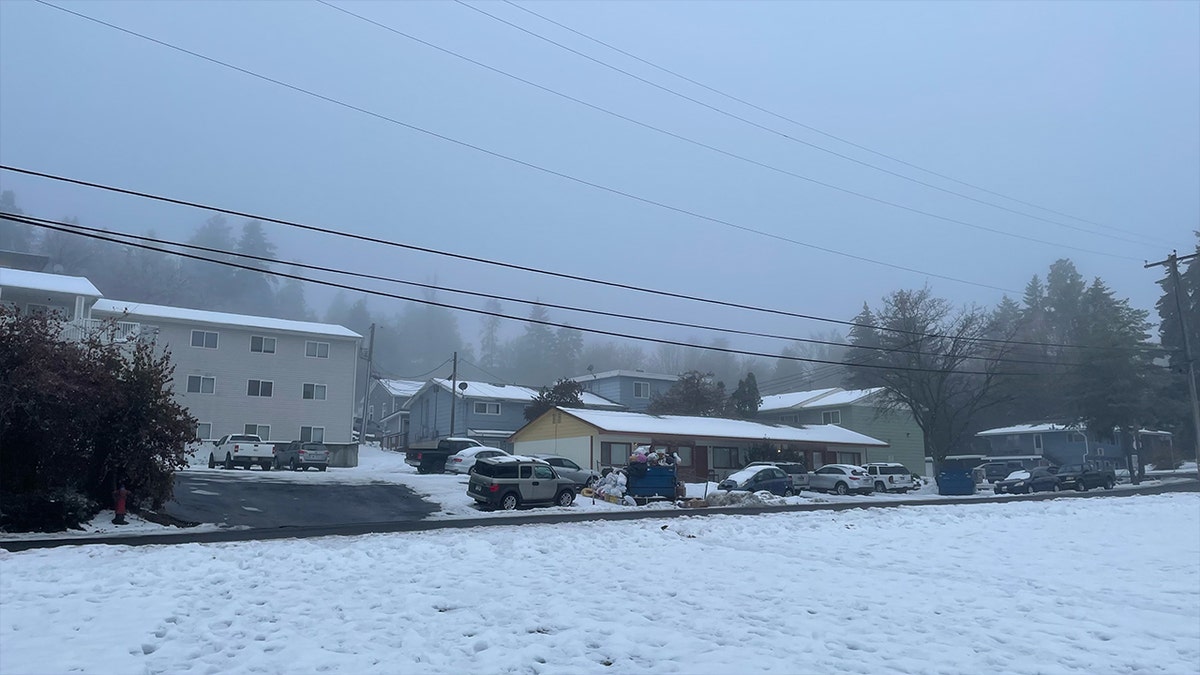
column 510, row 481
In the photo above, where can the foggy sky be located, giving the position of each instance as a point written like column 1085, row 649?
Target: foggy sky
column 1090, row 109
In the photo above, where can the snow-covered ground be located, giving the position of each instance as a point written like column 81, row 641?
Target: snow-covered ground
column 1062, row 586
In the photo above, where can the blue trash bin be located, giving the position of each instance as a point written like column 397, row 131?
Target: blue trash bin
column 956, row 482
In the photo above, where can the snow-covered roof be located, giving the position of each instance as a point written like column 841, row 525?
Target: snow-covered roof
column 626, row 373
column 401, row 387
column 816, row 398
column 1030, row 429
column 141, row 309
column 617, row 421
column 50, row 283
column 510, row 392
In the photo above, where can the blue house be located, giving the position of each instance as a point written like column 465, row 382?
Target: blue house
column 633, row 389
column 1060, row 444
column 488, row 413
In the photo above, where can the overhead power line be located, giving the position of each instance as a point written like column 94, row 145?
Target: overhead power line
column 812, row 129
column 493, row 296
column 533, row 270
column 552, row 172
column 69, row 228
column 734, row 155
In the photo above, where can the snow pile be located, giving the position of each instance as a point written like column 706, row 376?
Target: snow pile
column 744, row 498
column 1071, row 586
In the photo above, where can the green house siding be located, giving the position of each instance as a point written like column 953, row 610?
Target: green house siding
column 905, row 440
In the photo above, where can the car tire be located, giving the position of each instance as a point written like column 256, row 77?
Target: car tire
column 565, row 498
column 880, row 487
column 292, row 465
column 1056, row 488
column 228, row 462
column 591, row 482
column 510, row 501
column 1080, row 486
column 324, row 466
column 1108, row 483
column 788, row 492
column 212, row 461
column 841, row 488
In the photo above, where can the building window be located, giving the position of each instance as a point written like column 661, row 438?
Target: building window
column 482, row 408
column 641, row 390
column 263, row 431
column 848, row 458
column 1076, row 438
column 831, row 417
column 1100, row 452
column 1037, row 443
column 724, row 458
column 262, row 345
column 685, row 456
column 312, row 434
column 204, row 338
column 198, row 384
column 787, row 419
column 316, row 350
column 615, row 454
column 317, row 392
column 203, row 431
column 259, row 387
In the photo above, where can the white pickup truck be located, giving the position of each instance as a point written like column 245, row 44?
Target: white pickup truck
column 241, row 450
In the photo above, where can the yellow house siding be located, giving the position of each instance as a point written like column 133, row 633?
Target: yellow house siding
column 553, row 425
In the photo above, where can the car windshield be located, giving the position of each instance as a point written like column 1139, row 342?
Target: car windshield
column 1071, row 468
column 745, row 474
column 896, row 470
column 1018, row 475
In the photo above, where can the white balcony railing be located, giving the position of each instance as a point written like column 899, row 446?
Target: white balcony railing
column 116, row 331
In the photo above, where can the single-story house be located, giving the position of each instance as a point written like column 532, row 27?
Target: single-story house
column 1060, row 444
column 707, row 446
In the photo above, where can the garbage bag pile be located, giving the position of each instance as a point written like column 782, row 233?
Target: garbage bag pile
column 612, row 487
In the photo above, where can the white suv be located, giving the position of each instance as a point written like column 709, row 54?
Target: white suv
column 889, row 477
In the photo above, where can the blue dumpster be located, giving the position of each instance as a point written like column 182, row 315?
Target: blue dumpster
column 956, row 482
column 650, row 482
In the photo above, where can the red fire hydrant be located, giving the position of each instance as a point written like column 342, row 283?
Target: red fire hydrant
column 119, row 498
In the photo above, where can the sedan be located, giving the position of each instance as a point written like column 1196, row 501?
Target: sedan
column 841, row 479
column 1023, row 482
column 567, row 468
column 756, row 478
column 463, row 461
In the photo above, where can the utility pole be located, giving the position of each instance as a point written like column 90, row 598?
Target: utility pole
column 453, row 389
column 1172, row 263
column 370, row 350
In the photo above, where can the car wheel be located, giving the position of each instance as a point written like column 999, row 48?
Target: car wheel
column 565, row 498
column 292, row 465
column 228, row 461
column 510, row 501
column 324, row 466
column 880, row 487
column 591, row 482
column 266, row 466
column 1108, row 484
column 1057, row 488
column 1080, row 485
column 787, row 492
column 841, row 488
column 212, row 461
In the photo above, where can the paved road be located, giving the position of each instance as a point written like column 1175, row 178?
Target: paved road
column 256, row 500
column 534, row 517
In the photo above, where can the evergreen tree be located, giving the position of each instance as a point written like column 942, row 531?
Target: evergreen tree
column 489, row 337
column 744, row 400
column 565, row 393
column 694, row 393
column 14, row 236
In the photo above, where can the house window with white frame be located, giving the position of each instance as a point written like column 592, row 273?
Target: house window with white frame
column 486, row 408
column 262, row 388
column 316, row 392
column 615, row 454
column 1037, row 443
column 203, row 431
column 199, row 384
column 316, row 350
column 641, row 390
column 263, row 431
column 831, row 417
column 312, row 434
column 1076, row 438
column 205, row 339
column 262, row 345
column 685, row 456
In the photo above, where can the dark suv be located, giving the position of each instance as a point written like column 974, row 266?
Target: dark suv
column 510, row 481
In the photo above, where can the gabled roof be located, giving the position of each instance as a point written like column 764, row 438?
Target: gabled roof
column 505, row 392
column 1031, row 429
column 50, row 283
column 200, row 316
column 816, row 398
column 401, row 387
column 626, row 373
column 616, row 421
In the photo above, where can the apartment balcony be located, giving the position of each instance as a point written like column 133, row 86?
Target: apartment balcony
column 104, row 329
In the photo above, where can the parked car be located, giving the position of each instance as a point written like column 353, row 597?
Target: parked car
column 841, row 479
column 567, row 468
column 889, row 477
column 1122, row 475
column 431, row 458
column 1082, row 477
column 297, row 456
column 991, row 472
column 762, row 477
column 797, row 471
column 464, row 460
column 241, row 450
column 1024, row 481
column 510, row 481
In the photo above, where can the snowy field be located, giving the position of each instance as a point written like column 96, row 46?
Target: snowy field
column 1089, row 586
